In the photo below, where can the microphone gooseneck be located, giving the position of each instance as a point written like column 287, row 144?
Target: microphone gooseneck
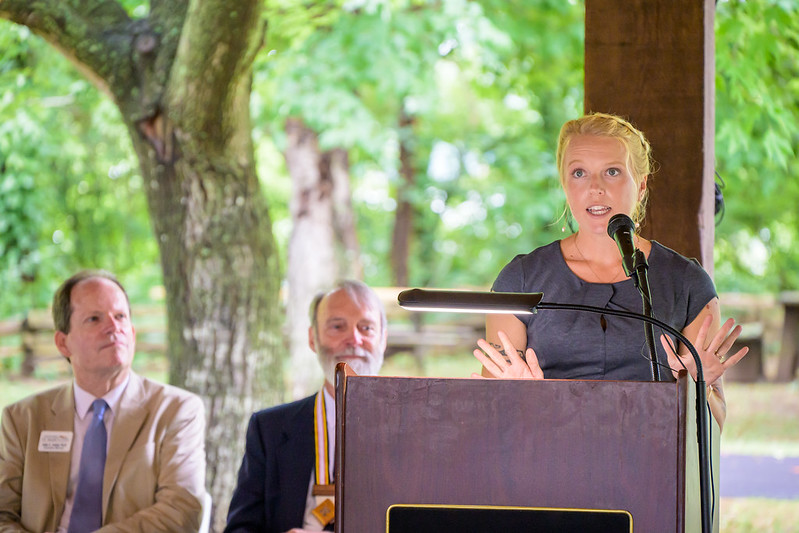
column 622, row 229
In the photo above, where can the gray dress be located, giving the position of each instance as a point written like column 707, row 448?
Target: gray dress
column 582, row 345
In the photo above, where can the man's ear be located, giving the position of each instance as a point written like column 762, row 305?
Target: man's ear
column 311, row 342
column 61, row 343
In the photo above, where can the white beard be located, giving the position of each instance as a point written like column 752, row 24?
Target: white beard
column 366, row 363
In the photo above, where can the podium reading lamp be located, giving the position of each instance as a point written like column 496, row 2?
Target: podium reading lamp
column 529, row 303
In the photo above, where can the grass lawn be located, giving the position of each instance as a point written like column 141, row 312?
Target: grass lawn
column 762, row 418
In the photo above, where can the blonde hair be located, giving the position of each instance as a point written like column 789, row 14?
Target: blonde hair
column 639, row 153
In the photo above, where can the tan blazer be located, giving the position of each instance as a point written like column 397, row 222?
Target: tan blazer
column 154, row 472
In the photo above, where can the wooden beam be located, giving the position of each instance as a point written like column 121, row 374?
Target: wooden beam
column 653, row 62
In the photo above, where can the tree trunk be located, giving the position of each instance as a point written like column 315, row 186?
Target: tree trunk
column 311, row 252
column 221, row 279
column 403, row 220
column 336, row 164
column 183, row 92
column 323, row 244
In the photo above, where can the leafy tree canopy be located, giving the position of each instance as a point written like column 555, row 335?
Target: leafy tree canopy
column 488, row 84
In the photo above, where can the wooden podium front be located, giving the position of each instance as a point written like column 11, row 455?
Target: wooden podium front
column 552, row 444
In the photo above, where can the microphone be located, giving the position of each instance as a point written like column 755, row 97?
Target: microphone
column 621, row 229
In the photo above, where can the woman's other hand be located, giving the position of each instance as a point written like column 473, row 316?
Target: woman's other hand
column 714, row 353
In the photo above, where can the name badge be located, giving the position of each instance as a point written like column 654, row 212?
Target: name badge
column 55, row 441
column 325, row 512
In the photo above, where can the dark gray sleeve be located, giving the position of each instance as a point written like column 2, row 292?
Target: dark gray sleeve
column 699, row 289
column 511, row 277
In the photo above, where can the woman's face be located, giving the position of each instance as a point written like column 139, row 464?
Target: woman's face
column 598, row 181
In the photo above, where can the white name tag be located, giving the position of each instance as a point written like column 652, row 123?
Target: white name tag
column 55, row 441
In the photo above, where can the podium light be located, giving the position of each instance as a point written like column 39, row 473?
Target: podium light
column 469, row 302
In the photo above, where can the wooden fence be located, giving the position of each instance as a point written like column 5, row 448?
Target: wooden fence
column 770, row 328
column 31, row 338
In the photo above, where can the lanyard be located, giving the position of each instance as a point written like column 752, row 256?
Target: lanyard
column 323, row 489
column 322, row 442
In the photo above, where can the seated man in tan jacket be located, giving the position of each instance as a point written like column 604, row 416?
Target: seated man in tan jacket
column 111, row 450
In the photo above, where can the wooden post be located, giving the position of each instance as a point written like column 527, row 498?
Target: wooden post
column 789, row 351
column 28, row 350
column 653, row 62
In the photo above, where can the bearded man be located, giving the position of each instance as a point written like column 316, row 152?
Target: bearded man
column 285, row 481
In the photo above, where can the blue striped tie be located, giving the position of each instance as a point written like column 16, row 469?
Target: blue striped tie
column 87, row 509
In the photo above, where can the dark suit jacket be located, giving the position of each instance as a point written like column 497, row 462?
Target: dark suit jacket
column 273, row 479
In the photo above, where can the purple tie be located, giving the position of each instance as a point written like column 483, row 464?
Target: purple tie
column 87, row 509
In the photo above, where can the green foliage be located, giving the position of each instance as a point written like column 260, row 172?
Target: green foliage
column 348, row 78
column 757, row 139
column 72, row 193
column 22, row 202
column 486, row 85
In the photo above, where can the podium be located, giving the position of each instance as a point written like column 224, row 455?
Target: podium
column 487, row 445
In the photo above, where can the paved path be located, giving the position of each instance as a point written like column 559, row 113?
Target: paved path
column 748, row 476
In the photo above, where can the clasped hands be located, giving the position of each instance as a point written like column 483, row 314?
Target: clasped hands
column 508, row 363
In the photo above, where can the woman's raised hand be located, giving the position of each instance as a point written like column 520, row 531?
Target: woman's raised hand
column 505, row 361
column 713, row 354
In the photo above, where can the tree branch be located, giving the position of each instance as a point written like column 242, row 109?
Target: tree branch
column 87, row 32
column 209, row 87
column 130, row 60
